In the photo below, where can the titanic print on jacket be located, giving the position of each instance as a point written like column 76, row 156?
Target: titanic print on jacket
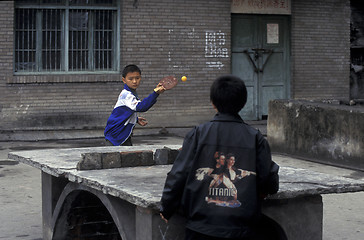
column 222, row 191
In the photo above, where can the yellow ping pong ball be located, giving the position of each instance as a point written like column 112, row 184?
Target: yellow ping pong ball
column 184, row 78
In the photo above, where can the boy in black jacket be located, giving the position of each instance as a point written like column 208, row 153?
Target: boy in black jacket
column 223, row 171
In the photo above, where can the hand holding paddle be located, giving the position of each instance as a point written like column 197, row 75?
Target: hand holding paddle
column 168, row 82
column 159, row 88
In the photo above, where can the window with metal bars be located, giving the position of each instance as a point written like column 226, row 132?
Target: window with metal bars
column 66, row 36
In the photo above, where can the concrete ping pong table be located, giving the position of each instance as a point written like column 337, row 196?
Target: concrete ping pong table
column 114, row 193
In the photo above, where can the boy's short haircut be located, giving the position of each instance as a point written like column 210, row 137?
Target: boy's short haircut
column 228, row 93
column 130, row 68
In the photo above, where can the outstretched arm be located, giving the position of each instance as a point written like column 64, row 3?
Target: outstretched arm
column 149, row 101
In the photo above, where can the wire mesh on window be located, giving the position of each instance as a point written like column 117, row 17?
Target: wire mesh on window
column 78, row 56
column 52, row 1
column 51, row 39
column 47, row 41
column 79, row 2
column 91, row 2
column 25, row 40
column 86, row 50
column 103, row 40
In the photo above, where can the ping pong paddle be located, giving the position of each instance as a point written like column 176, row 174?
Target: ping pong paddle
column 169, row 82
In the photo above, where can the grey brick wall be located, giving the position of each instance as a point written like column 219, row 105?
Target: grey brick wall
column 169, row 38
column 162, row 37
column 320, row 49
column 32, row 103
column 7, row 94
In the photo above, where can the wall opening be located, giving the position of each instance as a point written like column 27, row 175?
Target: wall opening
column 84, row 217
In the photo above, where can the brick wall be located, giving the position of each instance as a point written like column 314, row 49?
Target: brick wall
column 48, row 102
column 7, row 94
column 320, row 49
column 162, row 37
column 169, row 38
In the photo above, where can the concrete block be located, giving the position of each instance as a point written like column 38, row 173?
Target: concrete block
column 136, row 158
column 172, row 154
column 165, row 156
column 161, row 156
column 111, row 160
column 90, row 161
column 328, row 133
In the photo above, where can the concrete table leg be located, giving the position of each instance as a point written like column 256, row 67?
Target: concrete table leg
column 52, row 188
column 301, row 218
column 150, row 226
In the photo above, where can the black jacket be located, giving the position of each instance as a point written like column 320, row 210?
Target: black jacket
column 218, row 196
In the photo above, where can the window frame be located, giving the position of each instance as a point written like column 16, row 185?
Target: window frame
column 65, row 7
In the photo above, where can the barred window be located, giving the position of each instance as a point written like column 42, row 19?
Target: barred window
column 66, row 36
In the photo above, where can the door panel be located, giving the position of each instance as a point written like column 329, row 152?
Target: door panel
column 260, row 56
column 243, row 39
column 272, row 81
column 242, row 67
column 243, row 29
column 273, row 69
column 269, row 93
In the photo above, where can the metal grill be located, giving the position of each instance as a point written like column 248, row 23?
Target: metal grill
column 91, row 47
column 65, row 39
column 103, row 40
column 51, row 39
column 78, row 40
column 25, row 40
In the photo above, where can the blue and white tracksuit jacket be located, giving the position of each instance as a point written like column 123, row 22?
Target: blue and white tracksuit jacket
column 123, row 118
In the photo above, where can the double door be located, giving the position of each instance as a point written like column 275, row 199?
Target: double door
column 260, row 56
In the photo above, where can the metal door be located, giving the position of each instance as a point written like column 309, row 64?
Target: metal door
column 260, row 56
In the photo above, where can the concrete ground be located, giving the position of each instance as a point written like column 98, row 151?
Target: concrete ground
column 20, row 195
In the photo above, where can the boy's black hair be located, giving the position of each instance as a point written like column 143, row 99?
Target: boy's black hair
column 130, row 68
column 228, row 93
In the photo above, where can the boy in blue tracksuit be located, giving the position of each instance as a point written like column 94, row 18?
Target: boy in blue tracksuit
column 123, row 118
